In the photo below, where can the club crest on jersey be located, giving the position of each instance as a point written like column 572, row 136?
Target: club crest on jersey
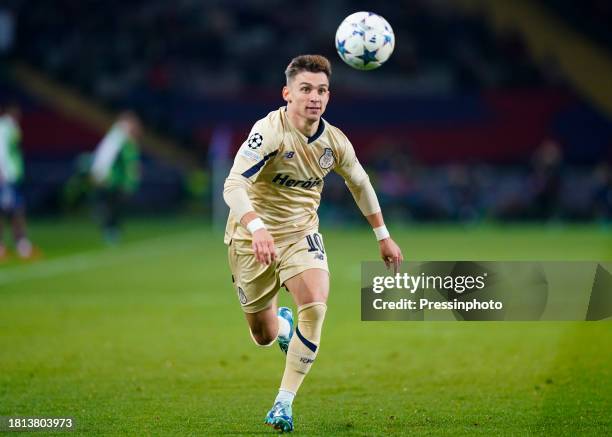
column 326, row 160
column 255, row 141
column 242, row 296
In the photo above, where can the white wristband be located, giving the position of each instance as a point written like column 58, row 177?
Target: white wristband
column 255, row 225
column 381, row 232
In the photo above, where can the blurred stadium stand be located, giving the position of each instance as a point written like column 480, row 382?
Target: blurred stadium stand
column 461, row 124
column 591, row 17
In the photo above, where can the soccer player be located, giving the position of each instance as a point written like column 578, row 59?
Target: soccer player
column 115, row 171
column 11, row 175
column 273, row 191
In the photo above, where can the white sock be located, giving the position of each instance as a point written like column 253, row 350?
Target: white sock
column 284, row 396
column 24, row 247
column 284, row 329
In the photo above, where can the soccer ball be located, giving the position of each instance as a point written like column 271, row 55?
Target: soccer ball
column 365, row 40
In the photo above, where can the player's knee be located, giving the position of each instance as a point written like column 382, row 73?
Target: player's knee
column 311, row 317
column 316, row 297
column 310, row 325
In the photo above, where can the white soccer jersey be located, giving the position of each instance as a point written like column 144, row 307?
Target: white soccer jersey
column 285, row 172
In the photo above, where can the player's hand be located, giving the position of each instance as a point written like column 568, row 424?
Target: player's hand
column 391, row 254
column 263, row 247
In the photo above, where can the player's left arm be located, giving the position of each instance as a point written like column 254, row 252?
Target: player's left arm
column 390, row 252
column 358, row 183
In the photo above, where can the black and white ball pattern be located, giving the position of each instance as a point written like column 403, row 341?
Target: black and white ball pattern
column 255, row 141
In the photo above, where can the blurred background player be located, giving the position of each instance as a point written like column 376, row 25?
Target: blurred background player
column 273, row 191
column 115, row 172
column 12, row 205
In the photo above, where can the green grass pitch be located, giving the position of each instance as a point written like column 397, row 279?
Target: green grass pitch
column 148, row 339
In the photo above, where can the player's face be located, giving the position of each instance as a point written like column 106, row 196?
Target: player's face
column 308, row 94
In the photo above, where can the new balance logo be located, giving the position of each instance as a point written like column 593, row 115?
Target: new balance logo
column 284, row 180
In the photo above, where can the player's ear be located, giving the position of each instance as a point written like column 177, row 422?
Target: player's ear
column 286, row 94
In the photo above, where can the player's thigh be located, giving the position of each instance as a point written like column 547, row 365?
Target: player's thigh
column 311, row 285
column 256, row 284
column 303, row 270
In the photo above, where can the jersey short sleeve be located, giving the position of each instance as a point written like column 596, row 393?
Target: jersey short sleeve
column 261, row 145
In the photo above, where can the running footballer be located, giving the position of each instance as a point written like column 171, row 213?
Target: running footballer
column 273, row 191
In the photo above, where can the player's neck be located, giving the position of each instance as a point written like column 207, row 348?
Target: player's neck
column 305, row 126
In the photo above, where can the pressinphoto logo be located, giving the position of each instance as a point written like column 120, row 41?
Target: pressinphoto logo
column 487, row 290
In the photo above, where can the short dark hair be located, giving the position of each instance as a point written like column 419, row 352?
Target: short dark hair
column 311, row 63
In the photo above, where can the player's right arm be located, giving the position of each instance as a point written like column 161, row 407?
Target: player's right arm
column 261, row 146
column 262, row 241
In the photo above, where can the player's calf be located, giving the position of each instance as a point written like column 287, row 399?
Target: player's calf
column 263, row 338
column 263, row 326
column 303, row 349
column 284, row 331
column 304, row 345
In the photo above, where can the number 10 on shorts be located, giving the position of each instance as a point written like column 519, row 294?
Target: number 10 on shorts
column 315, row 244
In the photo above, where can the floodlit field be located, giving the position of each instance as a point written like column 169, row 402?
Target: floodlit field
column 148, row 338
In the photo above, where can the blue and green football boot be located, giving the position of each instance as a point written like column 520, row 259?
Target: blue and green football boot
column 280, row 417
